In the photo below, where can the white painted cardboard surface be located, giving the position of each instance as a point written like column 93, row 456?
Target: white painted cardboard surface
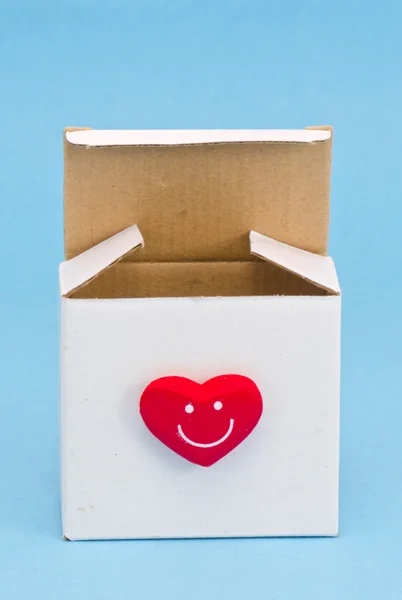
column 312, row 267
column 98, row 137
column 77, row 271
column 120, row 482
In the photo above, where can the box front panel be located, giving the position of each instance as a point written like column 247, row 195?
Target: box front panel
column 119, row 481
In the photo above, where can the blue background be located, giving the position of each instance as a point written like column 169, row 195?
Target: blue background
column 208, row 64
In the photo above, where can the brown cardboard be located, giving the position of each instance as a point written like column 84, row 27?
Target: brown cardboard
column 192, row 279
column 198, row 202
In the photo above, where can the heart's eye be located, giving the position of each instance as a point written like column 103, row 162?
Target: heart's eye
column 218, row 405
column 189, row 408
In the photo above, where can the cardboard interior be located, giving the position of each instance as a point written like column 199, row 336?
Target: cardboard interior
column 195, row 279
column 195, row 196
column 198, row 201
column 101, row 272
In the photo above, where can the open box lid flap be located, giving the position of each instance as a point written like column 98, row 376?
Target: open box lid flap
column 318, row 270
column 80, row 270
column 196, row 194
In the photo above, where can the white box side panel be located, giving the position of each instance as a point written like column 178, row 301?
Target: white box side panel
column 120, row 482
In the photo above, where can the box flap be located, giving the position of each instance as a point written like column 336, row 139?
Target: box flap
column 195, row 195
column 80, row 270
column 318, row 270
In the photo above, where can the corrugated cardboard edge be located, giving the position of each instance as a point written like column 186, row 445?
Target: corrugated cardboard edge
column 322, row 128
column 84, row 268
column 314, row 268
column 168, row 138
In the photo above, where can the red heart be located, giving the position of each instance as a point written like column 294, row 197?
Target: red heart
column 201, row 422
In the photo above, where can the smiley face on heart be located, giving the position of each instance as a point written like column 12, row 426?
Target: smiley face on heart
column 201, row 422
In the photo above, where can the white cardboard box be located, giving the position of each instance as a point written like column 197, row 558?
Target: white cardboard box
column 118, row 480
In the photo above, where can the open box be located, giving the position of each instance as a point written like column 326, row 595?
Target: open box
column 198, row 254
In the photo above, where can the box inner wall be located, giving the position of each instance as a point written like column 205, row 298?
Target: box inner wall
column 194, row 279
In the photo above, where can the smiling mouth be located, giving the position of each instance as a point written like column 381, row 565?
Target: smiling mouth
column 212, row 444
